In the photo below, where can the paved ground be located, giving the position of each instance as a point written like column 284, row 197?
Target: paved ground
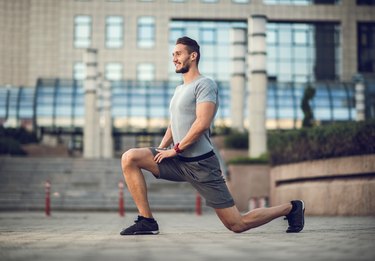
column 184, row 236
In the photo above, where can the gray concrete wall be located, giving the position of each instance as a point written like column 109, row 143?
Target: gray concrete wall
column 339, row 186
column 247, row 182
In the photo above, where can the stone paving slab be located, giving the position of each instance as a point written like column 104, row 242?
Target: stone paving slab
column 184, row 236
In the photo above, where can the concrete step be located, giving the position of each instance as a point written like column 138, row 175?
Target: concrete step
column 81, row 184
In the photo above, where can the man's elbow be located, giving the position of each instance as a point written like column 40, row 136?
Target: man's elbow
column 203, row 126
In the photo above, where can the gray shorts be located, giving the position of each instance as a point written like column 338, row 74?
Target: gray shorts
column 204, row 175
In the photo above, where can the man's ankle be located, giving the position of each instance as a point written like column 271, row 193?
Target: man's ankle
column 149, row 219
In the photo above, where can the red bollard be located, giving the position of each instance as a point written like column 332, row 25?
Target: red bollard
column 198, row 205
column 47, row 187
column 121, row 208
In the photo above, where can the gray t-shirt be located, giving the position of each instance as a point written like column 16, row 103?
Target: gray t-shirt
column 183, row 112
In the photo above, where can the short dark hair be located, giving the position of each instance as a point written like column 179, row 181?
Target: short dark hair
column 192, row 45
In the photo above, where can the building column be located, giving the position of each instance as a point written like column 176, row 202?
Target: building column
column 349, row 52
column 360, row 98
column 237, row 81
column 257, row 85
column 90, row 126
column 99, row 117
column 107, row 139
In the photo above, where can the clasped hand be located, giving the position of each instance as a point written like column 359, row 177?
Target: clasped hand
column 164, row 154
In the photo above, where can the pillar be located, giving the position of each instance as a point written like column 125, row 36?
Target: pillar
column 90, row 59
column 257, row 85
column 107, row 139
column 360, row 98
column 237, row 81
column 99, row 118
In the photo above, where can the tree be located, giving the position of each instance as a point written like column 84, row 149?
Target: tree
column 308, row 95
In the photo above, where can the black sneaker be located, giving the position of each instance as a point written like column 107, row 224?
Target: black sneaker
column 142, row 226
column 296, row 219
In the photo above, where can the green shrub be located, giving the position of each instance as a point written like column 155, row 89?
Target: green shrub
column 237, row 140
column 12, row 138
column 221, row 130
column 19, row 134
column 335, row 140
column 263, row 159
column 308, row 95
column 10, row 146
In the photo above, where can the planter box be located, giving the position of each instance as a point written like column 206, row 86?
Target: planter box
column 337, row 186
column 248, row 181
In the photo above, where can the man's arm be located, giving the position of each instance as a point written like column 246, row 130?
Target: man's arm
column 205, row 112
column 167, row 139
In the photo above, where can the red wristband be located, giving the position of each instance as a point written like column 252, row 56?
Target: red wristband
column 176, row 148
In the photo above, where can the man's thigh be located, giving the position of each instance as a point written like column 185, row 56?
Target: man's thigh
column 144, row 159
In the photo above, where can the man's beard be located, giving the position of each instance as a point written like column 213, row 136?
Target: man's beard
column 183, row 69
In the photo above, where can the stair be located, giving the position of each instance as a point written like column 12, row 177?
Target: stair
column 81, row 184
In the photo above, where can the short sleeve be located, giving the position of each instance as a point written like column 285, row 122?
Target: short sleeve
column 206, row 90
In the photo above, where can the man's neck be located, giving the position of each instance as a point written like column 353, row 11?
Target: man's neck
column 191, row 75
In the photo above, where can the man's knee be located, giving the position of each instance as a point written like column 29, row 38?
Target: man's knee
column 236, row 228
column 129, row 157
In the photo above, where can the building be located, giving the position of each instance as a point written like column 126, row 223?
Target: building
column 307, row 41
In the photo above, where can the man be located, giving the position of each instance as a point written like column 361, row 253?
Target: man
column 192, row 110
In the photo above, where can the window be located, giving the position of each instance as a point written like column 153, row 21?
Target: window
column 146, row 32
column 208, row 35
column 301, row 52
column 214, row 40
column 114, row 36
column 79, row 71
column 240, row 1
column 366, row 47
column 113, row 71
column 209, row 1
column 82, row 31
column 145, row 72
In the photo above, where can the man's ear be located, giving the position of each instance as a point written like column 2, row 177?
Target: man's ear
column 194, row 56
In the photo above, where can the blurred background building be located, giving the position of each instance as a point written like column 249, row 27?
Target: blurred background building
column 328, row 44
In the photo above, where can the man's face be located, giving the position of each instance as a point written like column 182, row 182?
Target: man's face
column 181, row 59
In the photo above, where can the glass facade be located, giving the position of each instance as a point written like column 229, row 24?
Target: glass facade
column 146, row 32
column 296, row 52
column 60, row 103
column 114, row 35
column 366, row 47
column 301, row 52
column 82, row 31
column 213, row 38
